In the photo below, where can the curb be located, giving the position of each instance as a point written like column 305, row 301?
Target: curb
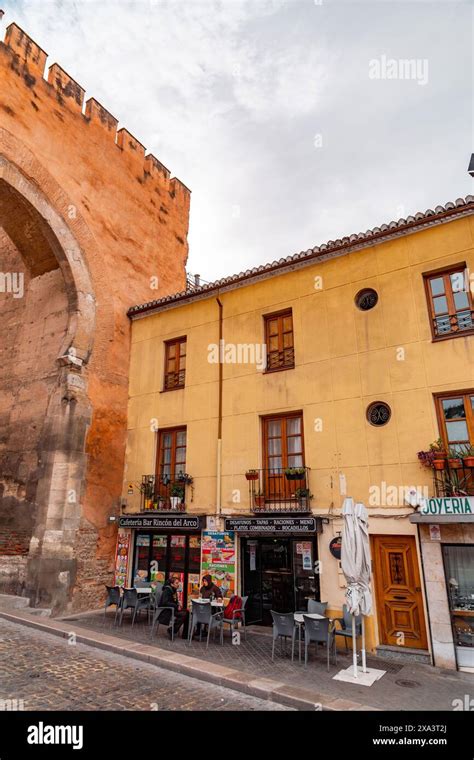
column 263, row 688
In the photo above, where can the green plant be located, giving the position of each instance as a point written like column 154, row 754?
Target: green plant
column 177, row 490
column 437, row 447
column 303, row 493
column 183, row 477
column 468, row 451
column 454, row 453
column 295, row 471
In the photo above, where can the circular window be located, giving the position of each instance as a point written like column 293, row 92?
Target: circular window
column 378, row 413
column 366, row 299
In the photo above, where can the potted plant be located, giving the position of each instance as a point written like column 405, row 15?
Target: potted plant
column 468, row 456
column 454, row 459
column 303, row 494
column 183, row 477
column 147, row 489
column 176, row 495
column 259, row 499
column 295, row 473
column 251, row 475
column 439, row 454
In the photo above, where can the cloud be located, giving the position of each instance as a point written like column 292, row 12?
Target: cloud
column 231, row 94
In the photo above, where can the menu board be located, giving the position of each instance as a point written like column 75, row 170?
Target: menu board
column 121, row 558
column 194, row 583
column 218, row 559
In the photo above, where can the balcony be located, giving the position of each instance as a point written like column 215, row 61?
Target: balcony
column 275, row 491
column 455, row 480
column 162, row 494
column 448, row 325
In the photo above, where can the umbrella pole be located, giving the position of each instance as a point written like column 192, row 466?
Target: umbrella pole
column 354, row 646
column 364, row 664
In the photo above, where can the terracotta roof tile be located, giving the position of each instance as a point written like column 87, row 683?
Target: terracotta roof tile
column 404, row 226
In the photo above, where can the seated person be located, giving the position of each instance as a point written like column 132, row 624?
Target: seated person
column 209, row 590
column 169, row 598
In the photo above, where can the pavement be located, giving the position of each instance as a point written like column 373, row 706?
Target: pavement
column 247, row 666
column 39, row 671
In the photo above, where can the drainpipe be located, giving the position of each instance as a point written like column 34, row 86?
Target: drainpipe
column 219, row 417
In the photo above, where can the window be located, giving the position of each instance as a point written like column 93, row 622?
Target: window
column 366, row 299
column 449, row 302
column 456, row 418
column 175, row 364
column 279, row 341
column 378, row 413
column 283, row 448
column 171, row 458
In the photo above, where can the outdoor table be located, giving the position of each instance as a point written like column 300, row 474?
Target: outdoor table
column 298, row 616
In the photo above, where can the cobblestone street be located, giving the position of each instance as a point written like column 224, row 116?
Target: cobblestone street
column 48, row 673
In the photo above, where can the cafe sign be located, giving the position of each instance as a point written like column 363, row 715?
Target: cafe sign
column 162, row 522
column 447, row 506
column 272, row 524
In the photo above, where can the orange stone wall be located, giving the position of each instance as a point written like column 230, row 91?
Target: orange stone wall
column 130, row 219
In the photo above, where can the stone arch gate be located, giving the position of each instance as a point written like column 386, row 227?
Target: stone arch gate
column 47, row 325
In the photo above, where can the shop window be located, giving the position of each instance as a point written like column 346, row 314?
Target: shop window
column 175, row 364
column 171, row 459
column 449, row 303
column 279, row 341
column 459, row 569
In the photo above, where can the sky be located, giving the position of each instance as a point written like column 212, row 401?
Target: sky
column 293, row 122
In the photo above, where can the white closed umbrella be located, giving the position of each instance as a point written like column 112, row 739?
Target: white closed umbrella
column 355, row 563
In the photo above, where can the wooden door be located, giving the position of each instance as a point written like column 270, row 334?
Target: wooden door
column 398, row 592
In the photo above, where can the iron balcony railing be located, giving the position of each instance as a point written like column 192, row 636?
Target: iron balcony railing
column 281, row 359
column 175, row 380
column 162, row 494
column 453, row 323
column 274, row 490
column 455, row 480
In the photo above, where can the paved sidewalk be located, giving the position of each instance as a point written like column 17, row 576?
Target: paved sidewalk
column 43, row 672
column 248, row 667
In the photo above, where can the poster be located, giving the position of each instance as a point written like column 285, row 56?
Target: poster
column 218, row 559
column 306, row 550
column 194, row 583
column 121, row 558
column 253, row 555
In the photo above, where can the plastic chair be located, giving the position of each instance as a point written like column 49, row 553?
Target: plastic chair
column 238, row 616
column 318, row 607
column 201, row 614
column 113, row 597
column 346, row 625
column 284, row 628
column 319, row 631
column 131, row 601
column 158, row 611
column 155, row 598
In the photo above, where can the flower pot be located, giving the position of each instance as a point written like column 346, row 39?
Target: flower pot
column 251, row 475
column 175, row 501
column 293, row 476
column 439, row 464
column 148, row 503
column 468, row 461
column 455, row 464
column 259, row 501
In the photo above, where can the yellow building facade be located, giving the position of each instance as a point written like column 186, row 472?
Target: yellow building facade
column 335, row 360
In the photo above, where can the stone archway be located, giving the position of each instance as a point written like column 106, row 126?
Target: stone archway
column 47, row 332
